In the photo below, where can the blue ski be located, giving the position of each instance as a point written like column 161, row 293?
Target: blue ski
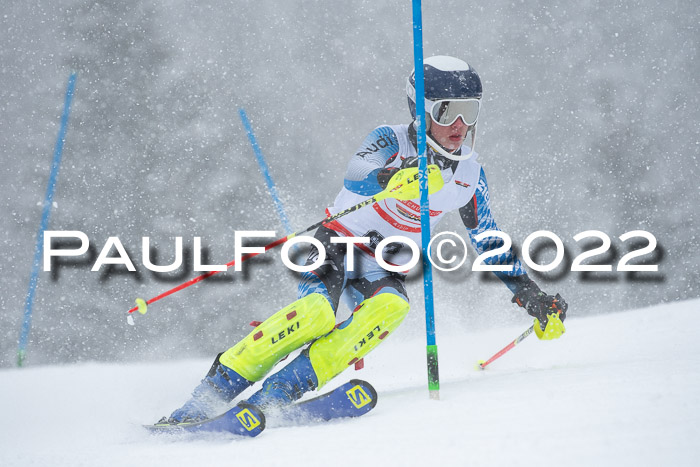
column 352, row 399
column 244, row 420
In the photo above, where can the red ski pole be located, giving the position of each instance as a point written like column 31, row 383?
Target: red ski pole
column 482, row 364
column 403, row 186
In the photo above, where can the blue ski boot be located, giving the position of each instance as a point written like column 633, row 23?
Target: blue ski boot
column 287, row 385
column 212, row 395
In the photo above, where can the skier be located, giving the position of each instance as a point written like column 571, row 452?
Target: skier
column 377, row 296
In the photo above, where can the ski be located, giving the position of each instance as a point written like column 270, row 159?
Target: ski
column 243, row 420
column 352, row 399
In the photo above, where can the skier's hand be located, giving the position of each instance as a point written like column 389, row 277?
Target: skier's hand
column 385, row 174
column 404, row 184
column 549, row 311
column 411, row 161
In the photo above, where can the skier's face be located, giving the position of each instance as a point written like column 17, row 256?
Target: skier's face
column 450, row 137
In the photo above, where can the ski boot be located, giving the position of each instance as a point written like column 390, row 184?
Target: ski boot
column 212, row 395
column 287, row 385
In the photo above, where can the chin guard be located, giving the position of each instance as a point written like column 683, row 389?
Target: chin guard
column 440, row 150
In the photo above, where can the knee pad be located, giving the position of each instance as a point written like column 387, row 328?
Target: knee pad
column 282, row 333
column 369, row 325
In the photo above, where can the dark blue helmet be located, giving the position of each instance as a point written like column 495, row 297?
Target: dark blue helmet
column 445, row 78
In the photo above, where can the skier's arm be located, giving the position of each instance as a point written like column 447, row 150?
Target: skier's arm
column 477, row 218
column 365, row 174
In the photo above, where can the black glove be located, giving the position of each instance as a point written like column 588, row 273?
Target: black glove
column 385, row 174
column 538, row 304
column 411, row 161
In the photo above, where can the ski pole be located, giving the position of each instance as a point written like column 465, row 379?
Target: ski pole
column 482, row 364
column 402, row 186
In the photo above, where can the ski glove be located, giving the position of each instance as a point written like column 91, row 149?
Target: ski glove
column 385, row 174
column 404, row 183
column 549, row 311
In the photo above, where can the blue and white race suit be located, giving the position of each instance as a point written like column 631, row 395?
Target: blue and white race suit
column 465, row 190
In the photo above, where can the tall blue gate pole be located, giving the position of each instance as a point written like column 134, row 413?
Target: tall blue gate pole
column 432, row 352
column 271, row 188
column 46, row 212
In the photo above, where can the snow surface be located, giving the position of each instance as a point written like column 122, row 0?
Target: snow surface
column 617, row 389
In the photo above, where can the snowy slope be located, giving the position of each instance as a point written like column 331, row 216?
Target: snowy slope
column 617, row 389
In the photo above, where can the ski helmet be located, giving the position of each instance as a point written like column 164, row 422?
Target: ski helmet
column 446, row 78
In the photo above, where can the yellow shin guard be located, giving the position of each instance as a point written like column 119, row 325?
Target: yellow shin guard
column 371, row 323
column 280, row 334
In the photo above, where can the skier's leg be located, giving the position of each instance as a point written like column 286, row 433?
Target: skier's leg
column 329, row 278
column 371, row 323
column 285, row 331
column 254, row 356
column 288, row 384
column 373, row 320
column 311, row 316
column 217, row 388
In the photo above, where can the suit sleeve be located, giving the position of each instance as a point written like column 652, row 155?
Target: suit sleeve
column 378, row 148
column 477, row 218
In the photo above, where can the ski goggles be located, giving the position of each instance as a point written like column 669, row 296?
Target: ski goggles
column 445, row 112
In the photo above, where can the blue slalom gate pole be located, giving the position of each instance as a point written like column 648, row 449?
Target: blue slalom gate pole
column 46, row 212
column 431, row 349
column 271, row 188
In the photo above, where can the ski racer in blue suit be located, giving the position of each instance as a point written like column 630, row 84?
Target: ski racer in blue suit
column 376, row 295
